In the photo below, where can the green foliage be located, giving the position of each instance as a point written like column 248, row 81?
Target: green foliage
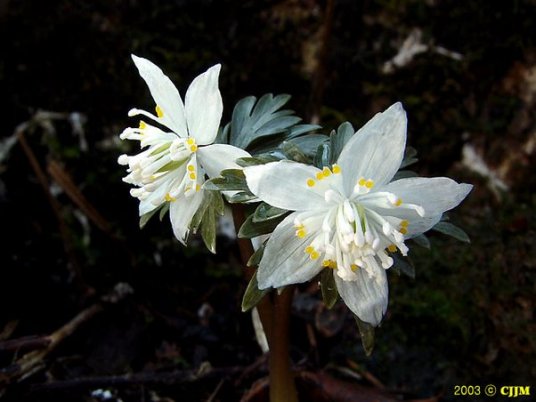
column 366, row 331
column 252, row 295
column 266, row 212
column 338, row 140
column 451, row 230
column 230, row 180
column 250, row 229
column 403, row 265
column 205, row 218
column 330, row 295
column 422, row 240
column 253, row 122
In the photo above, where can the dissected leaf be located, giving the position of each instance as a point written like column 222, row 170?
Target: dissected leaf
column 366, row 331
column 323, row 155
column 229, row 180
column 208, row 229
column 256, row 257
column 252, row 295
column 452, row 230
column 409, row 157
column 330, row 295
column 257, row 160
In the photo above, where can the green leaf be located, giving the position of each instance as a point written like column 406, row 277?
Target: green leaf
column 208, row 229
column 146, row 217
column 254, row 120
column 404, row 174
column 250, row 229
column 195, row 223
column 256, row 257
column 163, row 211
column 230, row 180
column 257, row 160
column 366, row 331
column 323, row 156
column 409, row 157
column 403, row 265
column 293, row 152
column 241, row 197
column 452, row 230
column 330, row 295
column 339, row 139
column 309, row 143
column 265, row 211
column 422, row 241
column 252, row 295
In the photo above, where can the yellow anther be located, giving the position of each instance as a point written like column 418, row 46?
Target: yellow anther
column 169, row 198
column 190, row 141
column 369, row 184
column 192, row 176
column 404, row 223
column 301, row 233
column 191, row 168
column 354, row 267
column 314, row 255
column 143, row 125
column 197, row 187
column 336, row 169
column 309, row 249
column 311, row 182
column 398, row 202
column 403, row 230
column 361, row 181
column 329, row 264
column 159, row 111
column 391, row 248
column 319, row 176
column 326, row 172
column 193, row 148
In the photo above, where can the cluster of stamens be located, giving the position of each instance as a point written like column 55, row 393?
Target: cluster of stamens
column 167, row 167
column 351, row 234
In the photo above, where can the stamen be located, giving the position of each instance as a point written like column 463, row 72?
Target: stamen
column 192, row 176
column 336, row 169
column 191, row 168
column 319, row 176
column 326, row 172
column 159, row 111
column 398, row 202
column 361, row 181
column 404, row 223
column 193, row 148
column 369, row 184
column 314, row 255
column 391, row 248
column 309, row 249
column 354, row 267
column 143, row 125
column 169, row 198
column 403, row 230
column 310, row 182
column 197, row 187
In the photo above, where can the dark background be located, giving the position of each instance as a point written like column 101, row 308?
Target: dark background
column 71, row 235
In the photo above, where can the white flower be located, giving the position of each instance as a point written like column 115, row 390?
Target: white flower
column 172, row 166
column 350, row 216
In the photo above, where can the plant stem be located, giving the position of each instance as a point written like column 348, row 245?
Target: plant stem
column 282, row 386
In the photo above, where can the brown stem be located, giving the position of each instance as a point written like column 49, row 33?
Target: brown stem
column 264, row 307
column 282, row 386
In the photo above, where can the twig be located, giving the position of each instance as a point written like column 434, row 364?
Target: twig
column 27, row 342
column 55, row 205
column 32, row 362
column 145, row 378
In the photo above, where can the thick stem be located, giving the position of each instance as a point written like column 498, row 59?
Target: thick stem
column 282, row 385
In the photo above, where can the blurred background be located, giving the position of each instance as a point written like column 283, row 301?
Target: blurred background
column 143, row 318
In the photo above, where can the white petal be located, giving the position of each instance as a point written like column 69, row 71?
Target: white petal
column 204, row 106
column 366, row 297
column 283, row 184
column 165, row 94
column 284, row 260
column 376, row 150
column 436, row 195
column 217, row 157
column 181, row 213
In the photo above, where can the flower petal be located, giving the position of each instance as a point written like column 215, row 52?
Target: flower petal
column 366, row 297
column 376, row 150
column 284, row 260
column 204, row 106
column 165, row 94
column 181, row 213
column 217, row 157
column 284, row 185
column 436, row 195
